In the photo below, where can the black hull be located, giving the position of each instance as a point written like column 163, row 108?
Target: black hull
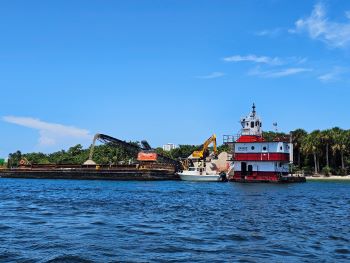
column 124, row 175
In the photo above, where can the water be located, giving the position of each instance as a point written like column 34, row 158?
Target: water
column 108, row 221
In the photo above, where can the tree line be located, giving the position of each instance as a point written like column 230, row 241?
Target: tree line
column 105, row 154
column 320, row 151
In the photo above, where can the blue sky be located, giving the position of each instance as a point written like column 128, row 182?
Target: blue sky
column 168, row 71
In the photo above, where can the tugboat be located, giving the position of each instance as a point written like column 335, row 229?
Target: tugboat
column 257, row 160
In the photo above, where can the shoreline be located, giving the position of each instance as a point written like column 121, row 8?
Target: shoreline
column 329, row 178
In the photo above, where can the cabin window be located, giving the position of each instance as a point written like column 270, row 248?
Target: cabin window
column 264, row 148
column 253, row 147
column 281, row 148
column 280, row 165
column 260, row 124
column 256, row 123
column 247, row 124
column 251, row 124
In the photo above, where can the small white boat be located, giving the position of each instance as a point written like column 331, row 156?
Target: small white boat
column 198, row 174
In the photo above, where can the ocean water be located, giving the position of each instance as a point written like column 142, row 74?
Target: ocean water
column 173, row 221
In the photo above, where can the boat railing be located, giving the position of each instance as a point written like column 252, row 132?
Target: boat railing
column 200, row 169
column 227, row 139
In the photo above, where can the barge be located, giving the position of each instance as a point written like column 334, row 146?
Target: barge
column 141, row 172
column 148, row 166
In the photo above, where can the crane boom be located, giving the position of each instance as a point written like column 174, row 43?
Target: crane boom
column 108, row 139
column 132, row 148
column 201, row 153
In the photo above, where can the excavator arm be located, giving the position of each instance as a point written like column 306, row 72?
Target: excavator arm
column 201, row 153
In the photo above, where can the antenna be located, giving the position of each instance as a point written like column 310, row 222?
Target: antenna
column 253, row 110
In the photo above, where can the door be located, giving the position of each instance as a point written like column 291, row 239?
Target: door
column 243, row 169
column 250, row 169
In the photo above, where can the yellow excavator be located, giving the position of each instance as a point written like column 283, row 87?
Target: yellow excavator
column 203, row 152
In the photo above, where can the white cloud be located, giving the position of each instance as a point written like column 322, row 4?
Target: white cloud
column 347, row 14
column 212, row 75
column 278, row 73
column 255, row 59
column 321, row 28
column 50, row 134
column 271, row 67
column 269, row 32
column 301, row 60
column 333, row 75
column 327, row 77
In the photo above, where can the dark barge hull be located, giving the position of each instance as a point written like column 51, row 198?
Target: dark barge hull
column 281, row 180
column 80, row 173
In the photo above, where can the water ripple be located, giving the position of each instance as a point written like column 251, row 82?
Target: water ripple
column 99, row 221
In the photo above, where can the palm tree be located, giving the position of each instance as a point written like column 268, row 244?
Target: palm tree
column 311, row 145
column 347, row 141
column 298, row 136
column 326, row 138
column 341, row 140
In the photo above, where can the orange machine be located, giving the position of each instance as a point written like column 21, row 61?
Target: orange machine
column 144, row 156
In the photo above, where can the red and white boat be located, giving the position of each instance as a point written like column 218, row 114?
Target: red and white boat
column 258, row 160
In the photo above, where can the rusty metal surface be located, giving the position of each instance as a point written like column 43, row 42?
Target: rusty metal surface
column 146, row 171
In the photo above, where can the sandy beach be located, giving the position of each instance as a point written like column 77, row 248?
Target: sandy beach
column 328, row 178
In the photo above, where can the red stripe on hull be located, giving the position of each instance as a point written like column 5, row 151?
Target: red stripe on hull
column 280, row 157
column 250, row 138
column 257, row 176
column 259, row 173
column 266, row 177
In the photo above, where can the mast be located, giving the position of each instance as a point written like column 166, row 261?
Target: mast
column 253, row 112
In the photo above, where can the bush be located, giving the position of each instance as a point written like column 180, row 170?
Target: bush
column 294, row 169
column 339, row 171
column 308, row 170
column 343, row 171
column 326, row 171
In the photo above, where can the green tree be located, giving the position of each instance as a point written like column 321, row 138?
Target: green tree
column 341, row 141
column 271, row 135
column 183, row 151
column 298, row 136
column 326, row 139
column 35, row 158
column 14, row 158
column 224, row 148
column 311, row 145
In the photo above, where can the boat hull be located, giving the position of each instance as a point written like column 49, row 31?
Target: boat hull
column 268, row 179
column 200, row 178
